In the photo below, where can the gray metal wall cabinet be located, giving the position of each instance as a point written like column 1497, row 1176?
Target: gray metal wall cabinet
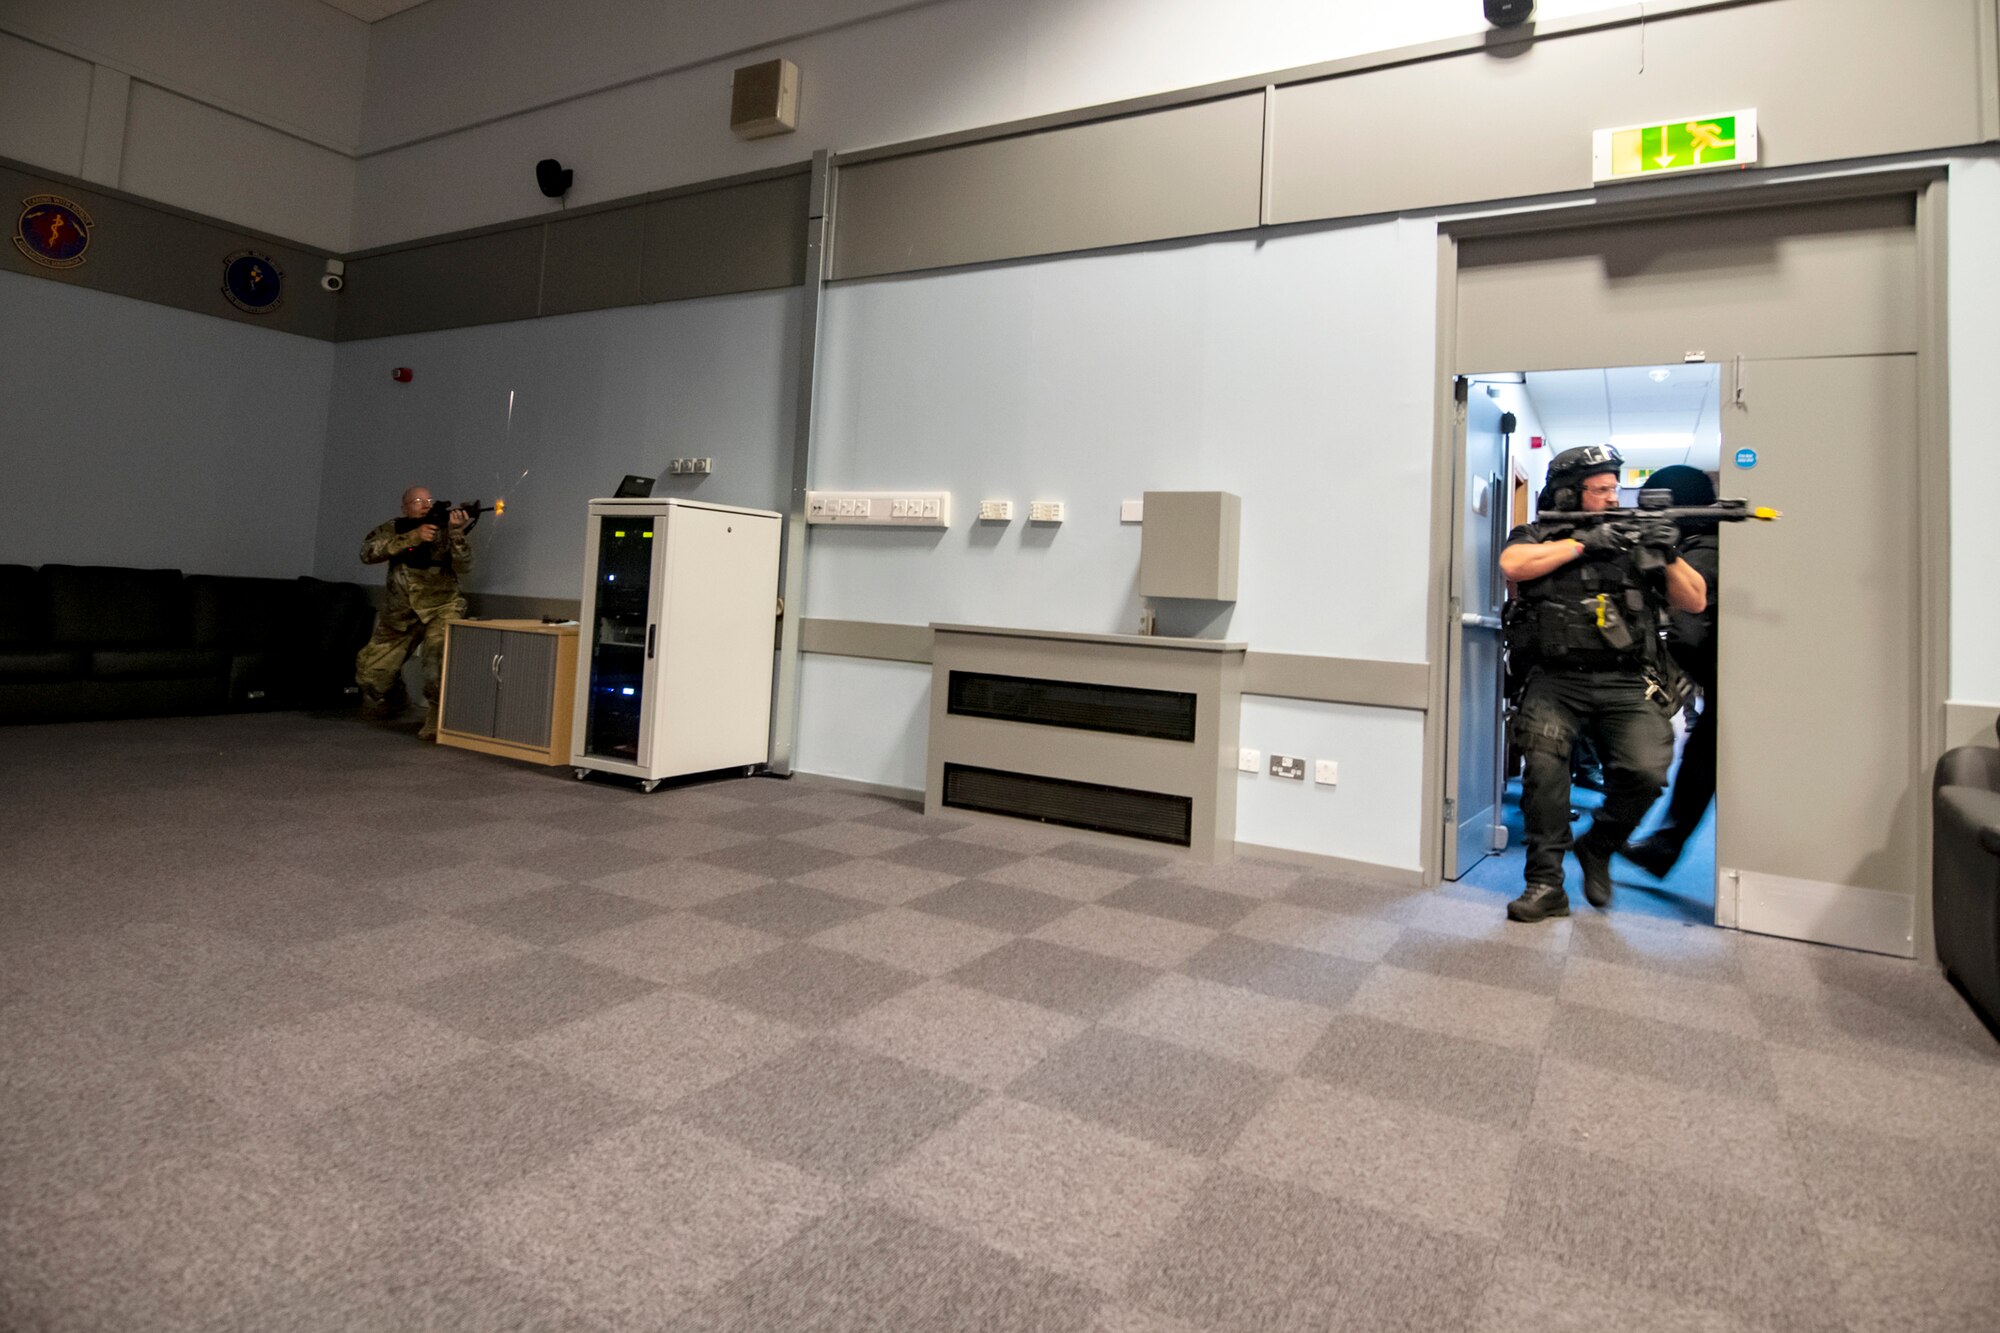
column 1188, row 545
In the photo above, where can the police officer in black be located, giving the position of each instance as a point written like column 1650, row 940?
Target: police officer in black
column 1586, row 623
column 1691, row 641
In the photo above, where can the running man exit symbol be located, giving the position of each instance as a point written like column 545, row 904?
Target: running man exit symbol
column 1693, row 143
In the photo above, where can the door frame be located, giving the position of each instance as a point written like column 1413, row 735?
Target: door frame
column 1927, row 185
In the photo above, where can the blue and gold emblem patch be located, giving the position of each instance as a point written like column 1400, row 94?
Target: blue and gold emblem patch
column 252, row 282
column 52, row 231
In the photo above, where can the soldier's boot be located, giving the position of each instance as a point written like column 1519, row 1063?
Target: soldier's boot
column 1538, row 902
column 1596, row 863
column 429, row 730
column 376, row 707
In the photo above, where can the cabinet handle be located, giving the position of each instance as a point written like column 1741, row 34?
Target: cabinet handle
column 651, row 632
column 494, row 666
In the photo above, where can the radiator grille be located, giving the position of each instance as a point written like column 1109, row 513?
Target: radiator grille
column 1085, row 805
column 1121, row 710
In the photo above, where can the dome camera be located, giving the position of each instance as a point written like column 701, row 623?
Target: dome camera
column 335, row 276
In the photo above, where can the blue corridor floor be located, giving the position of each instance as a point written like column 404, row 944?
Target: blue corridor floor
column 1687, row 894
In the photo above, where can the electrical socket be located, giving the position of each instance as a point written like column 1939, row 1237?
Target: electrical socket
column 920, row 509
column 1247, row 760
column 1288, row 766
column 996, row 511
column 1326, row 772
column 703, row 465
column 1045, row 511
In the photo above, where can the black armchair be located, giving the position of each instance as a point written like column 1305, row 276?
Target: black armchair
column 1965, row 872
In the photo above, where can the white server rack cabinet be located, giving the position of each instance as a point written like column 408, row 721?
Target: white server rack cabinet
column 675, row 645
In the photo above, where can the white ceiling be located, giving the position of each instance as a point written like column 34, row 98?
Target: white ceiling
column 368, row 11
column 1655, row 415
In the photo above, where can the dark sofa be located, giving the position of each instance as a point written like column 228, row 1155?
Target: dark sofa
column 96, row 641
column 1965, row 871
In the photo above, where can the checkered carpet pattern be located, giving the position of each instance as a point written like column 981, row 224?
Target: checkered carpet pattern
column 304, row 1025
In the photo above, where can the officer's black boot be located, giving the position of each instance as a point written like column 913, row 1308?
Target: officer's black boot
column 1596, row 862
column 1538, row 902
column 1655, row 855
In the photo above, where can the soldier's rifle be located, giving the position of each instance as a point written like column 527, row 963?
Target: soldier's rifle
column 1655, row 512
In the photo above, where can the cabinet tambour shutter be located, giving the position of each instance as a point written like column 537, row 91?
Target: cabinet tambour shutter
column 472, row 691
column 527, row 677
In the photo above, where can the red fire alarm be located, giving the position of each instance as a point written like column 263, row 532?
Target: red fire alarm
column 403, row 375
column 1534, row 441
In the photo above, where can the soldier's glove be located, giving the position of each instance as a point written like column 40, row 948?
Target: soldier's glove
column 1601, row 540
column 1662, row 535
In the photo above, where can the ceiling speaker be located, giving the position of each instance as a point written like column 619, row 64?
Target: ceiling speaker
column 764, row 99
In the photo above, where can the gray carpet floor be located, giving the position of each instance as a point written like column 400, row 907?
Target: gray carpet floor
column 304, row 1025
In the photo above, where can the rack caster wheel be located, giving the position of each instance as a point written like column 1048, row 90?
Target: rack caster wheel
column 580, row 773
column 648, row 784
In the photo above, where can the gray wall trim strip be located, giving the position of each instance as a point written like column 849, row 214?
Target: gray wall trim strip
column 1344, row 680
column 169, row 256
column 1340, row 680
column 875, row 639
column 1488, row 40
column 1969, row 723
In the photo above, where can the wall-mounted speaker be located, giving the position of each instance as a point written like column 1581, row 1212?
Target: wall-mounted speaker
column 553, row 177
column 1509, row 13
column 764, row 99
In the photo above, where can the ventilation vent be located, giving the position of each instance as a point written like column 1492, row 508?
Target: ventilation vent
column 1166, row 715
column 1084, row 805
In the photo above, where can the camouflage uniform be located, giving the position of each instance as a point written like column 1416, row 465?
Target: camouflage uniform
column 422, row 599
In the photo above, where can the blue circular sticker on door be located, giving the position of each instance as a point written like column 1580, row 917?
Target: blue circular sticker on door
column 1746, row 458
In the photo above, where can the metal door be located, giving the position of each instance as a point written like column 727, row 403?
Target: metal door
column 1820, row 816
column 472, row 679
column 1473, row 742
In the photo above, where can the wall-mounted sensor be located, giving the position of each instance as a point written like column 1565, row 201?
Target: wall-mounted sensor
column 335, row 276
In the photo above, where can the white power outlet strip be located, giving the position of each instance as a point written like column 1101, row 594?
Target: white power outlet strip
column 882, row 509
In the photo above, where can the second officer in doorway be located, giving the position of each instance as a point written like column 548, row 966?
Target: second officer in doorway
column 1586, row 628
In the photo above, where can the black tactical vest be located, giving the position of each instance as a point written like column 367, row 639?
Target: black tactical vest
column 1589, row 615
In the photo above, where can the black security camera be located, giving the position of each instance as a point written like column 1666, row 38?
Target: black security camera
column 553, row 177
column 1509, row 13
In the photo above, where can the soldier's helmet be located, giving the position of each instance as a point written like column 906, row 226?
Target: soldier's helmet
column 1567, row 471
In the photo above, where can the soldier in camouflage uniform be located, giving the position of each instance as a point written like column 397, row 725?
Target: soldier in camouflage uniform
column 423, row 597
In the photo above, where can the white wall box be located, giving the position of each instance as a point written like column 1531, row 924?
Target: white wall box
column 675, row 671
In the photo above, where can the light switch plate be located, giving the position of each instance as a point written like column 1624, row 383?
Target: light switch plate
column 1248, row 760
column 1326, row 772
column 1288, row 766
column 1131, row 511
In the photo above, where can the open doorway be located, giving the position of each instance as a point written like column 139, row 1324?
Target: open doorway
column 1656, row 417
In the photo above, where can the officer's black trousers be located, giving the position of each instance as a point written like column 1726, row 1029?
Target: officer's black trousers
column 1633, row 738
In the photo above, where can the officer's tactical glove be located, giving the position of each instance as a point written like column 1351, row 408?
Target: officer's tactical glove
column 1606, row 539
column 1660, row 534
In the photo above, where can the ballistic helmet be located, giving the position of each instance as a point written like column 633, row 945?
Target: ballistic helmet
column 1567, row 470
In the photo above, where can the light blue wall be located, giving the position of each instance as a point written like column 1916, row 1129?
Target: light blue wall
column 1294, row 371
column 137, row 434
column 594, row 396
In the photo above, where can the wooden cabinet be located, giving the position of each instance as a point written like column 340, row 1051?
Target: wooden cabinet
column 509, row 687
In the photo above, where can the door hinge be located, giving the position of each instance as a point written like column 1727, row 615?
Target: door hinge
column 1451, row 812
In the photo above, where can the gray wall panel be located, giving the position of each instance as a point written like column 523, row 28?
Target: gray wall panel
column 744, row 238
column 168, row 258
column 593, row 262
column 1805, row 280
column 1830, row 79
column 475, row 280
column 1185, row 171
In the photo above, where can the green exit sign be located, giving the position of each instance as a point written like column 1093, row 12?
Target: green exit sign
column 1698, row 143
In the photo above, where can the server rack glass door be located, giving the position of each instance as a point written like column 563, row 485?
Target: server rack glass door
column 621, row 636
